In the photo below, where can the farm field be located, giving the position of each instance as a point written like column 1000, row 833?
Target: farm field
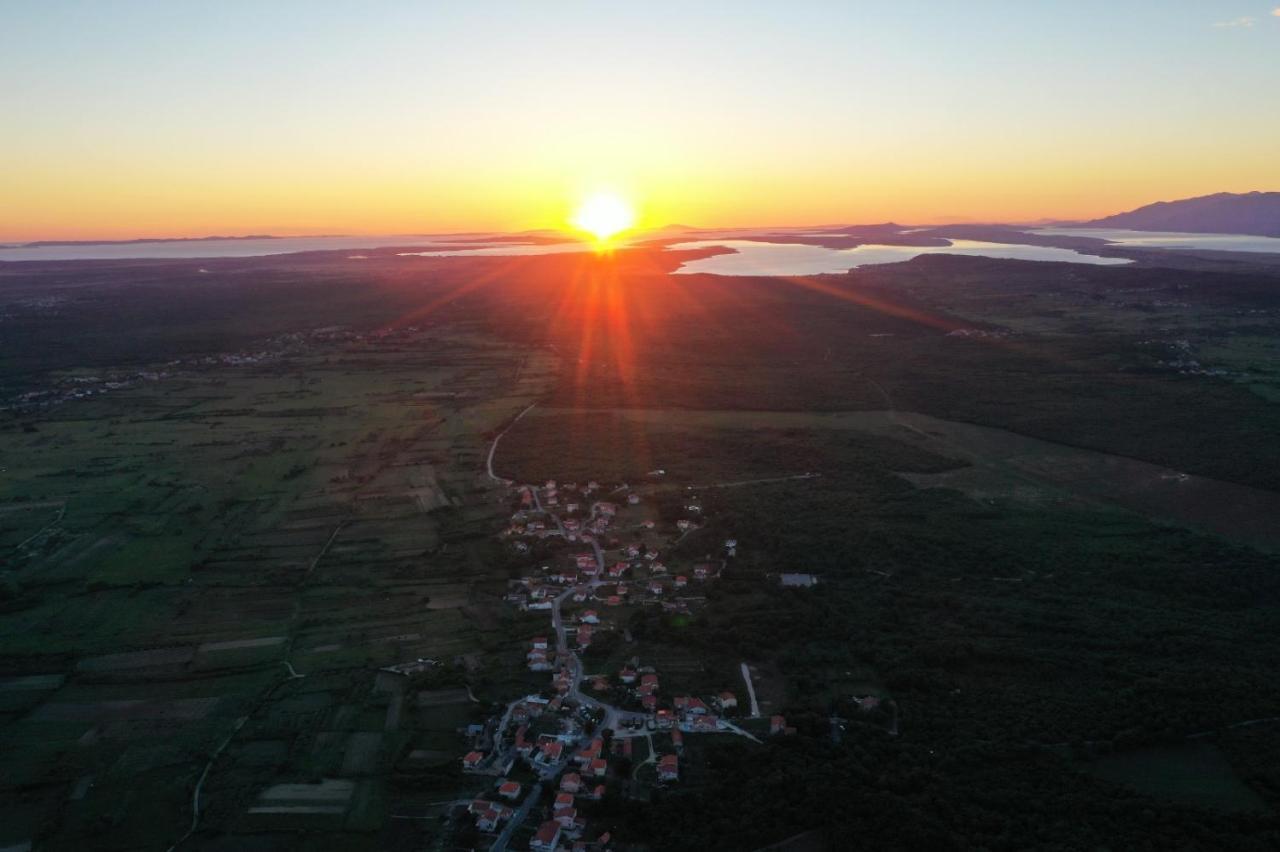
column 206, row 570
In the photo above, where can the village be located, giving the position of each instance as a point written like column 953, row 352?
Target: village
column 592, row 734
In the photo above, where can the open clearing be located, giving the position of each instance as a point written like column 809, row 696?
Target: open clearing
column 1006, row 465
column 1195, row 774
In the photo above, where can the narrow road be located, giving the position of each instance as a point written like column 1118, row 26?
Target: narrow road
column 195, row 797
column 751, row 691
column 493, row 448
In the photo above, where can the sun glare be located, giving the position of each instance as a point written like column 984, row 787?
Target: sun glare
column 604, row 216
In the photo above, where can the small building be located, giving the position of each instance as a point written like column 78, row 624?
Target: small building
column 668, row 768
column 472, row 760
column 571, row 783
column 550, row 751
column 727, row 701
column 799, row 581
column 509, row 790
column 590, row 617
column 777, row 725
column 488, row 819
column 598, row 767
column 547, row 837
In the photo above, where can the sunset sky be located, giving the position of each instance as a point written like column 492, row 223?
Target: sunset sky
column 126, row 119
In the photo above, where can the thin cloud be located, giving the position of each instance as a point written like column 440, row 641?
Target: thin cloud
column 1243, row 21
column 1276, row 12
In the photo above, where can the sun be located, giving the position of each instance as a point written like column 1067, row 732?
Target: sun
column 604, row 215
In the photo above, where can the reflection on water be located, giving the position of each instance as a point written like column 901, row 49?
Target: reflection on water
column 1170, row 239
column 754, row 257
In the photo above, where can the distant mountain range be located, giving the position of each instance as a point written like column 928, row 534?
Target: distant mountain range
column 1253, row 213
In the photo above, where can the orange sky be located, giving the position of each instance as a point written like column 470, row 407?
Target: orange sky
column 308, row 118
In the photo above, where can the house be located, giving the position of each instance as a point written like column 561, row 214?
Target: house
column 522, row 745
column 563, row 800
column 681, row 581
column 472, row 760
column 540, row 643
column 607, row 509
column 655, row 588
column 580, row 594
column 649, row 703
column 633, row 550
column 677, row 740
column 627, row 675
column 597, row 793
column 777, row 724
column 488, row 819
column 550, row 752
column 665, row 719
column 509, row 790
column 598, row 767
column 648, row 525
column 584, row 636
column 668, row 768
column 696, row 706
column 613, row 600
column 651, row 555
column 584, row 560
column 618, row 570
column 547, row 837
column 705, row 724
column 589, row 752
column 657, row 568
column 684, row 525
column 566, row 817
column 649, row 680
column 701, row 572
column 633, row 498
column 727, row 700
column 590, row 617
column 571, row 783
